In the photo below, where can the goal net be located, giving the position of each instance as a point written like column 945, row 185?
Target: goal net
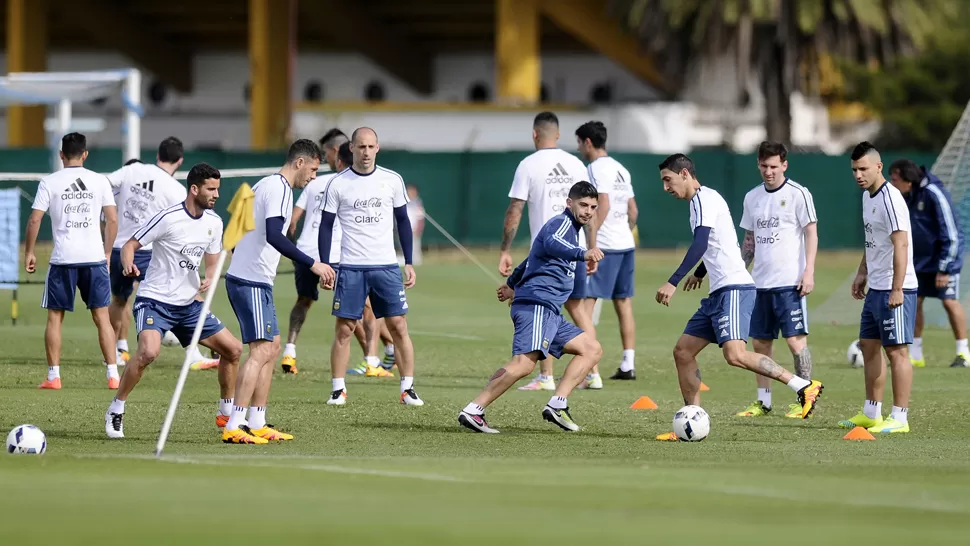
column 952, row 166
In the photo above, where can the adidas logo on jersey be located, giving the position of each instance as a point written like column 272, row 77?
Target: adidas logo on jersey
column 150, row 185
column 724, row 332
column 558, row 175
column 77, row 190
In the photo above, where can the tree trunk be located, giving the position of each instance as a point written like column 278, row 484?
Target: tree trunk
column 777, row 98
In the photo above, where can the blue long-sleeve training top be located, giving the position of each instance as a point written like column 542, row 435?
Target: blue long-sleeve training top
column 546, row 277
column 937, row 236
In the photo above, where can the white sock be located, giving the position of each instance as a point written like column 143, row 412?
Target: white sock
column 225, row 407
column 372, row 361
column 474, row 409
column 257, row 417
column 764, row 396
column 558, row 402
column 389, row 349
column 112, row 371
column 544, row 378
column 962, row 347
column 916, row 349
column 797, row 383
column 53, row 372
column 117, row 406
column 899, row 414
column 123, row 345
column 290, row 350
column 406, row 383
column 627, row 364
column 194, row 354
column 237, row 418
column 872, row 409
column 339, row 384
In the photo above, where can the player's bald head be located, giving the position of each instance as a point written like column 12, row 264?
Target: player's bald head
column 361, row 133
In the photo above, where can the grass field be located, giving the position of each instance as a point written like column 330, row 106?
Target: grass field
column 375, row 472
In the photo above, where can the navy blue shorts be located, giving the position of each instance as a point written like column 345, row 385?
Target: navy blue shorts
column 891, row 326
column 383, row 284
column 254, row 308
column 724, row 315
column 307, row 282
column 779, row 309
column 928, row 289
column 613, row 279
column 579, row 282
column 541, row 329
column 122, row 286
column 63, row 281
column 179, row 319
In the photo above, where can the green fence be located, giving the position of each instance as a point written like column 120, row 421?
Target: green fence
column 467, row 192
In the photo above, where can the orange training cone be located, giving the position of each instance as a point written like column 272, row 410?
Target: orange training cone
column 859, row 433
column 704, row 387
column 644, row 402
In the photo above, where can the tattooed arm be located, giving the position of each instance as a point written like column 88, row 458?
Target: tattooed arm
column 513, row 215
column 747, row 248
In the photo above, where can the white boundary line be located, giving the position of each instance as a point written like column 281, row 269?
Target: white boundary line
column 446, row 334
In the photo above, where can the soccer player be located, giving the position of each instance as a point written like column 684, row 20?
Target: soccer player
column 614, row 219
column 937, row 253
column 249, row 283
column 724, row 316
column 781, row 237
column 167, row 299
column 75, row 197
column 889, row 312
column 367, row 199
column 543, row 179
column 538, row 288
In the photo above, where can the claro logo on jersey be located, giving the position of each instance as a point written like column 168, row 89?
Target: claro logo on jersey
column 372, row 203
column 193, row 251
column 77, row 190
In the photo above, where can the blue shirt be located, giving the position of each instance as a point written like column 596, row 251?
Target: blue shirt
column 937, row 237
column 546, row 277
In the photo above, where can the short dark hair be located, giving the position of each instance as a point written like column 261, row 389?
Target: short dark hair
column 769, row 149
column 304, row 148
column 595, row 131
column 200, row 172
column 545, row 118
column 677, row 163
column 908, row 170
column 170, row 150
column 332, row 135
column 862, row 149
column 73, row 145
column 583, row 189
column 132, row 161
column 345, row 155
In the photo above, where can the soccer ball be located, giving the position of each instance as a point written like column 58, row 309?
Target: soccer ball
column 26, row 440
column 854, row 354
column 691, row 424
column 169, row 340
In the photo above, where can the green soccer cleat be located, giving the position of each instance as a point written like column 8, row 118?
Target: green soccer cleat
column 758, row 409
column 794, row 411
column 921, row 363
column 860, row 420
column 889, row 426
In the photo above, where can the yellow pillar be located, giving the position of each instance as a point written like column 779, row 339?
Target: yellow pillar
column 26, row 52
column 518, row 75
column 270, row 24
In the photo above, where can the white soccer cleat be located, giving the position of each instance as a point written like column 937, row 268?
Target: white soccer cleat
column 337, row 398
column 114, row 425
column 410, row 398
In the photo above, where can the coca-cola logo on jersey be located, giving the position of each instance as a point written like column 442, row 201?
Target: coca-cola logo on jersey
column 372, row 203
column 137, row 204
column 559, row 193
column 192, row 250
column 80, row 208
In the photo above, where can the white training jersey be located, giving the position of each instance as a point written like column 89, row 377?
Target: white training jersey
column 778, row 218
column 883, row 214
column 723, row 256
column 141, row 191
column 543, row 181
column 180, row 241
column 613, row 179
column 311, row 200
column 364, row 205
column 74, row 197
column 254, row 259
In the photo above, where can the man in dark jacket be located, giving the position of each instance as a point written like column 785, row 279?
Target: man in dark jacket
column 937, row 252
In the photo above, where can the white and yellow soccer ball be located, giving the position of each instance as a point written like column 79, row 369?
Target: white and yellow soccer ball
column 854, row 355
column 691, row 424
column 26, row 440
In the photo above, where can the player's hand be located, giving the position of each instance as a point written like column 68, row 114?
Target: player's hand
column 665, row 293
column 806, row 284
column 410, row 277
column 30, row 263
column 692, row 283
column 505, row 264
column 593, row 255
column 859, row 287
column 324, row 271
column 130, row 270
column 895, row 298
column 592, row 267
column 942, row 280
column 204, row 286
column 505, row 293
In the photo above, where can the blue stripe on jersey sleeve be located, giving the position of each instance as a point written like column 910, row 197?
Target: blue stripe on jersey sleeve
column 155, row 221
column 890, row 211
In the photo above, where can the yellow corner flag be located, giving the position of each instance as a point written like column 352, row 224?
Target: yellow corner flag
column 241, row 218
column 636, row 235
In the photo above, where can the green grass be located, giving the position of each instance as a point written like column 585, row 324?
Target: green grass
column 374, row 471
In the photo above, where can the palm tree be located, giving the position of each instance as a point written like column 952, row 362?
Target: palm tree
column 782, row 42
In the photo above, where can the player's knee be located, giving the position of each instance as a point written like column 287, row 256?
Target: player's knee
column 148, row 353
column 681, row 355
column 734, row 355
column 593, row 349
column 233, row 352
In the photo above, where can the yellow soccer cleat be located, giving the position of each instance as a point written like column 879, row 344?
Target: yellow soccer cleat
column 860, row 420
column 377, row 371
column 794, row 411
column 668, row 437
column 241, row 436
column 921, row 363
column 808, row 397
column 289, row 364
column 889, row 426
column 123, row 356
column 757, row 409
column 270, row 434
